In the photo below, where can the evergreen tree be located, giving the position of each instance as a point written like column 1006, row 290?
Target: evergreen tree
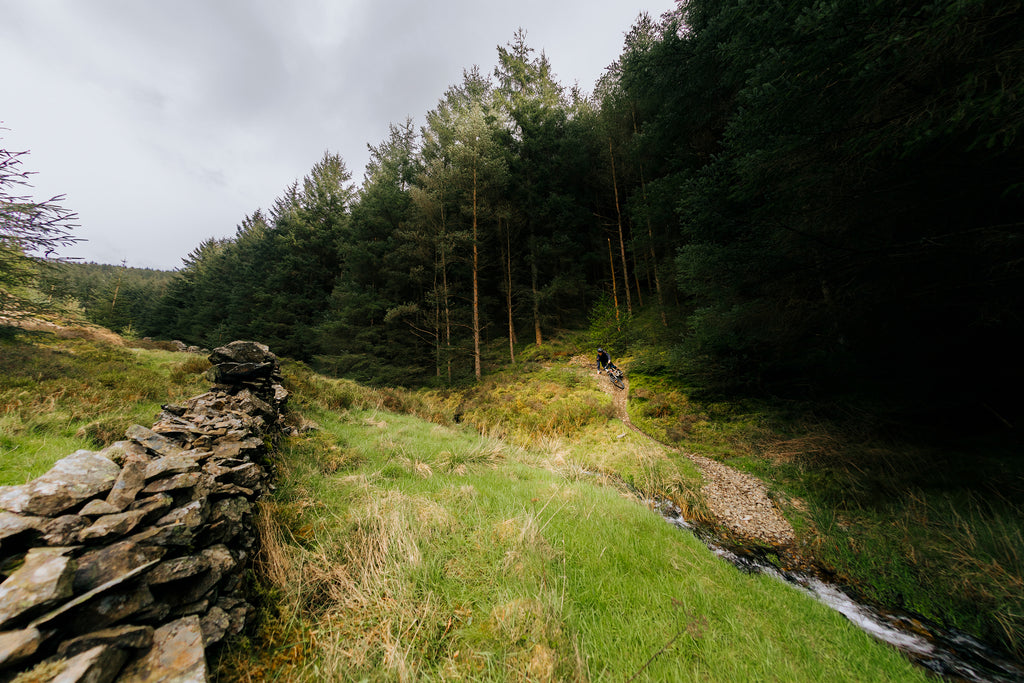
column 31, row 232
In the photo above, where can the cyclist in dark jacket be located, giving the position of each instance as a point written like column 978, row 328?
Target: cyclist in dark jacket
column 603, row 360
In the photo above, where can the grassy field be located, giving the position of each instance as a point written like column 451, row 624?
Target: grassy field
column 402, row 548
column 401, row 545
column 58, row 395
column 399, row 549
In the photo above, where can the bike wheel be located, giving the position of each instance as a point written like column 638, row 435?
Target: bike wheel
column 617, row 381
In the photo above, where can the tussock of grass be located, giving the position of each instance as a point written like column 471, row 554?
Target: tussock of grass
column 529, row 407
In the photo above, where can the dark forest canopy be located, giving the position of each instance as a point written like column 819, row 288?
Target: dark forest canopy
column 807, row 194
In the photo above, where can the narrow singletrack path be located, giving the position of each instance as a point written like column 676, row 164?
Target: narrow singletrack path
column 738, row 501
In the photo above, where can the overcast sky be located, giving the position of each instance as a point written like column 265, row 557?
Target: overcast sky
column 166, row 122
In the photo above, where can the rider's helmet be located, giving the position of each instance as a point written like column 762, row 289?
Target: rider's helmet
column 600, row 350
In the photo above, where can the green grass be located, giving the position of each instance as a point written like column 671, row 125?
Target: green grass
column 398, row 549
column 61, row 395
column 401, row 545
column 910, row 525
column 929, row 524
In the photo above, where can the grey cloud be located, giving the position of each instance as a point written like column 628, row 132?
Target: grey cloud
column 193, row 113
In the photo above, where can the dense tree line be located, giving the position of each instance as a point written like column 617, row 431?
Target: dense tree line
column 119, row 298
column 803, row 193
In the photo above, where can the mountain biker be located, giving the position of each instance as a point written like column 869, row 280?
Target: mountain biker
column 604, row 361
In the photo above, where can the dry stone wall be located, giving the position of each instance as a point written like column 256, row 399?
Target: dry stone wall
column 127, row 564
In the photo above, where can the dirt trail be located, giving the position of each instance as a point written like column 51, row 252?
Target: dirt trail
column 738, row 500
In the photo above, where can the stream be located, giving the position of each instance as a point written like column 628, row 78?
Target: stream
column 953, row 655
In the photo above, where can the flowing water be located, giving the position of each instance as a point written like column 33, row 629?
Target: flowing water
column 951, row 654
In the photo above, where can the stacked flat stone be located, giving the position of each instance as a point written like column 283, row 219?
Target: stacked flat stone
column 127, row 564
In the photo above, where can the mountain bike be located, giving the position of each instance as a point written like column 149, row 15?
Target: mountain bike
column 615, row 377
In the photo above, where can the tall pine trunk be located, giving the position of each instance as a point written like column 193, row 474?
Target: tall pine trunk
column 536, row 292
column 615, row 285
column 447, row 313
column 476, row 288
column 650, row 235
column 622, row 239
column 636, row 279
column 438, row 338
column 508, row 291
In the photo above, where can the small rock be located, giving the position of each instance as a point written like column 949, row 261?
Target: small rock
column 17, row 645
column 215, row 625
column 178, row 481
column 126, row 637
column 112, row 525
column 12, row 525
column 131, row 480
column 45, row 577
column 73, row 479
column 122, row 452
column 177, row 568
column 98, row 665
column 153, row 441
column 97, row 567
column 172, row 464
column 64, row 530
column 177, row 655
column 97, row 507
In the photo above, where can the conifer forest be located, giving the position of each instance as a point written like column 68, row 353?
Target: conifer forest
column 803, row 198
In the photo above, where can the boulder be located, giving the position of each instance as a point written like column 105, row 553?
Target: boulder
column 243, row 352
